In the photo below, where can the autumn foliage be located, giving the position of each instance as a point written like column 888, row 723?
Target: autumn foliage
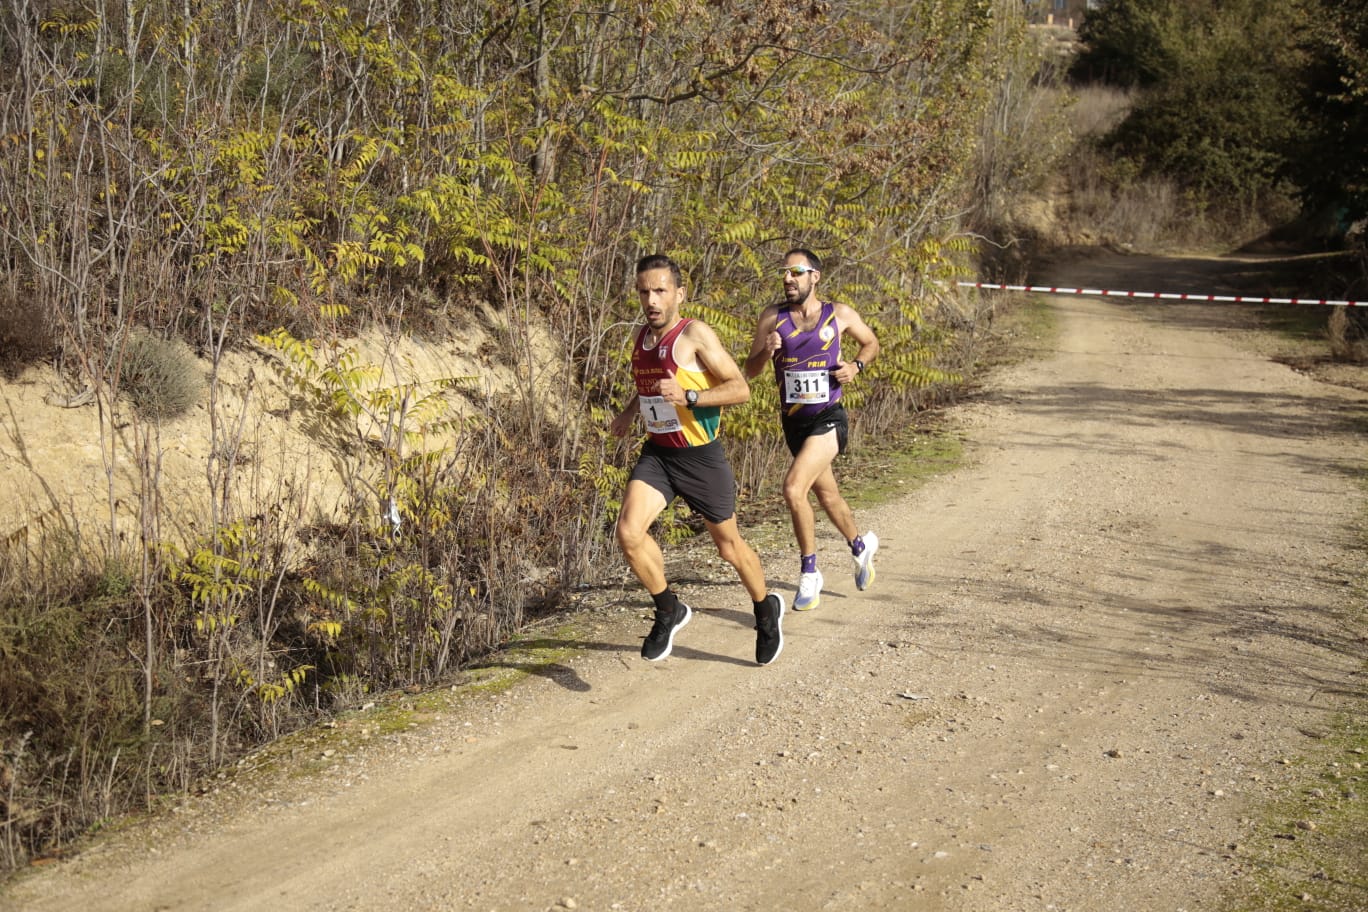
column 277, row 176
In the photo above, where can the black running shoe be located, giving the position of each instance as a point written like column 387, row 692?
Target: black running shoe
column 660, row 640
column 769, row 629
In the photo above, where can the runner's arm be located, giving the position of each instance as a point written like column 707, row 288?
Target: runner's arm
column 732, row 388
column 851, row 323
column 622, row 424
column 765, row 343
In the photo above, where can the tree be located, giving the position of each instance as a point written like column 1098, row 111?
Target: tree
column 1217, row 104
column 1127, row 42
column 1327, row 157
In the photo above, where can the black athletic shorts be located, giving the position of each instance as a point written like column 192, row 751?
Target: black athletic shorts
column 699, row 474
column 798, row 428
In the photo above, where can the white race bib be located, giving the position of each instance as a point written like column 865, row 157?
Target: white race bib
column 660, row 416
column 806, row 387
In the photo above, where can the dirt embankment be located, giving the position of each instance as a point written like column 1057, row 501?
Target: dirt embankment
column 1090, row 657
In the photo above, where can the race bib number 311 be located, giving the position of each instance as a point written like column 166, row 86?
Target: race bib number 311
column 806, row 387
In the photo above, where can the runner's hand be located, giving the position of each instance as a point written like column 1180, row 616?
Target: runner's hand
column 622, row 424
column 671, row 391
column 845, row 371
column 774, row 343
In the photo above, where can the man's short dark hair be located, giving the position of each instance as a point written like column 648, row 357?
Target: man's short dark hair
column 661, row 261
column 813, row 259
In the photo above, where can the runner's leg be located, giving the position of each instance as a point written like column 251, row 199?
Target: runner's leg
column 812, row 462
column 834, row 505
column 737, row 552
column 641, row 504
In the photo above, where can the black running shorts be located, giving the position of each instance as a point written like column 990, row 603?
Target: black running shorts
column 700, row 475
column 798, row 428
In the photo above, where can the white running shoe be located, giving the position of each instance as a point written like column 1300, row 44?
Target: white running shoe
column 809, row 591
column 864, row 564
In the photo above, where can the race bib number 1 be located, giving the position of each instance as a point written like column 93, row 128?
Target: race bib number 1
column 660, row 416
column 806, row 387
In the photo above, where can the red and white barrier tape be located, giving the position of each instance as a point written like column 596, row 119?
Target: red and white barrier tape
column 1162, row 296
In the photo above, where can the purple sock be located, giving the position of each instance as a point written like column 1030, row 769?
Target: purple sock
column 809, row 563
column 857, row 546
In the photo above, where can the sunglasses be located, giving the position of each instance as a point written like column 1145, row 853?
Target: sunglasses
column 796, row 271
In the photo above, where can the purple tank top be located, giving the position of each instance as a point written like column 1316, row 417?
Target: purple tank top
column 804, row 362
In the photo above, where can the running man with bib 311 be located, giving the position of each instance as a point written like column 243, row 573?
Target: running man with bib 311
column 683, row 376
column 801, row 337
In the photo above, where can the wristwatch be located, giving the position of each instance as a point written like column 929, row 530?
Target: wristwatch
column 691, row 398
column 859, row 366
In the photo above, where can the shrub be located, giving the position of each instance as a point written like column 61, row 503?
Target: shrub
column 1129, row 42
column 1218, row 105
column 26, row 332
column 160, row 377
column 1348, row 337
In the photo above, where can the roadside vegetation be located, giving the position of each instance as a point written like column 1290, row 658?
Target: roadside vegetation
column 272, row 181
column 186, row 187
column 1310, row 850
column 1243, row 119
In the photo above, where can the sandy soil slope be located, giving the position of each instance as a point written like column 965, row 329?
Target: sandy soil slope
column 1084, row 660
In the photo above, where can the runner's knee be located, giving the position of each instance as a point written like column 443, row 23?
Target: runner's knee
column 731, row 550
column 795, row 492
column 628, row 537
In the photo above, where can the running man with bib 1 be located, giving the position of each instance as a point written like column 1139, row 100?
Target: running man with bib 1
column 801, row 337
column 684, row 376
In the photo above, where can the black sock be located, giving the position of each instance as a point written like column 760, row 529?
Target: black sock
column 666, row 600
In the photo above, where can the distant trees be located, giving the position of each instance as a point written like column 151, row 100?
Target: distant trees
column 1328, row 158
column 1217, row 99
column 1241, row 100
column 1130, row 42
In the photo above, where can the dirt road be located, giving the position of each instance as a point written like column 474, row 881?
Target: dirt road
column 1074, row 681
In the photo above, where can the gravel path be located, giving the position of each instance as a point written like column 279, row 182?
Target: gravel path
column 1086, row 657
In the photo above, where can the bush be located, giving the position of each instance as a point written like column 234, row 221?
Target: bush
column 161, row 378
column 26, row 332
column 1128, row 43
column 1327, row 157
column 70, row 716
column 1217, row 105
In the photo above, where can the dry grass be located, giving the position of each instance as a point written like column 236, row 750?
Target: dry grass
column 1095, row 110
column 1110, row 200
column 1348, row 336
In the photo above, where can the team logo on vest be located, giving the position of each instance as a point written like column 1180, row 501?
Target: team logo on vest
column 827, row 333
